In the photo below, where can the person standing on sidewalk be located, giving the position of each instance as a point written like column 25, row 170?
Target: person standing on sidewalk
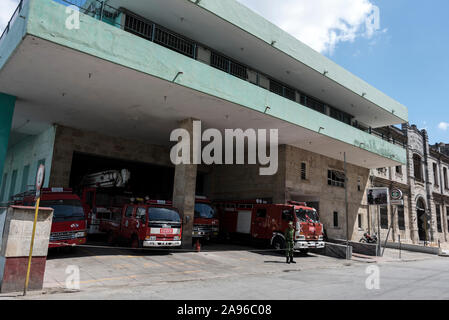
column 289, row 242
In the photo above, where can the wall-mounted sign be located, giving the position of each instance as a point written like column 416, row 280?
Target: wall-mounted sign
column 378, row 196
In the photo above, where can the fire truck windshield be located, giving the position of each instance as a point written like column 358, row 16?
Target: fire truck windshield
column 65, row 209
column 307, row 215
column 103, row 199
column 204, row 211
column 163, row 215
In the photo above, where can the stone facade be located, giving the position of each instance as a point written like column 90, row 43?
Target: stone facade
column 423, row 183
column 302, row 176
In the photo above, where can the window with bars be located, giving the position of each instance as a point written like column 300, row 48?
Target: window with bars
column 303, row 171
column 174, row 42
column 435, row 174
column 446, row 182
column 447, row 215
column 26, row 172
column 312, row 103
column 438, row 213
column 147, row 30
column 340, row 115
column 3, row 189
column 12, row 187
column 138, row 27
column 227, row 65
column 335, row 219
column 282, row 90
column 417, row 168
column 336, row 178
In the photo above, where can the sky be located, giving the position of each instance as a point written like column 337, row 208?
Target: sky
column 400, row 47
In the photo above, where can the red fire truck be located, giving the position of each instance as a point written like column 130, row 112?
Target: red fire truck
column 206, row 223
column 260, row 220
column 69, row 224
column 154, row 223
column 102, row 195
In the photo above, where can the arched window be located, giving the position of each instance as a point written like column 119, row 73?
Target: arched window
column 417, row 167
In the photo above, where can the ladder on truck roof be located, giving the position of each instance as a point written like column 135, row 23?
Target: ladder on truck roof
column 106, row 179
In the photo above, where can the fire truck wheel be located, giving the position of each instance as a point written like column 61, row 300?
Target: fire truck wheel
column 278, row 243
column 303, row 252
column 135, row 242
column 110, row 238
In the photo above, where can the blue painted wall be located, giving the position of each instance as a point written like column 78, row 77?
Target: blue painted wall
column 7, row 104
column 24, row 158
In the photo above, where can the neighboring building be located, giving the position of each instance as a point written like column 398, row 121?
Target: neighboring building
column 442, row 147
column 425, row 185
column 109, row 93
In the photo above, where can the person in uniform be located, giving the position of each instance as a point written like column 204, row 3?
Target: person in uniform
column 289, row 242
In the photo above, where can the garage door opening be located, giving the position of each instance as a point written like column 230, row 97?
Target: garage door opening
column 145, row 179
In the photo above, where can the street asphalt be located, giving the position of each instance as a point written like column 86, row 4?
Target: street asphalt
column 236, row 272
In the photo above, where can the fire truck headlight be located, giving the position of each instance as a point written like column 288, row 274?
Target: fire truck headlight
column 81, row 234
column 176, row 238
column 151, row 238
column 320, row 238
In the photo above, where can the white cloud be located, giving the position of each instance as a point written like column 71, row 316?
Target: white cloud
column 322, row 24
column 7, row 8
column 443, row 126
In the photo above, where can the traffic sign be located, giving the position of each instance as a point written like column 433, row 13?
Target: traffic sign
column 40, row 176
column 397, row 202
column 396, row 194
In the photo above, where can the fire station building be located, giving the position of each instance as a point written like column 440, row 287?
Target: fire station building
column 107, row 93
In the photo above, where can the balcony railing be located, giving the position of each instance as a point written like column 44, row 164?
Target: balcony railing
column 13, row 18
column 227, row 65
column 150, row 31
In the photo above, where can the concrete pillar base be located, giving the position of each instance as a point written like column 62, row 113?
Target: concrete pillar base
column 184, row 190
column 15, row 248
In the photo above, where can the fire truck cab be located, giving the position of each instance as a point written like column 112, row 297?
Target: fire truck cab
column 154, row 223
column 69, row 224
column 102, row 196
column 262, row 221
column 206, row 223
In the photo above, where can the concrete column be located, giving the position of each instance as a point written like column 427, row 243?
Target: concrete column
column 184, row 189
column 7, row 104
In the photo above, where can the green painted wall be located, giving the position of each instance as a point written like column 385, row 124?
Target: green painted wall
column 47, row 21
column 17, row 31
column 24, row 158
column 239, row 15
column 7, row 104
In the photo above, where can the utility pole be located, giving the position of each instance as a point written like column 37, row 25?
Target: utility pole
column 346, row 202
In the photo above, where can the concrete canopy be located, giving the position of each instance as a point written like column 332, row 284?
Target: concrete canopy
column 232, row 29
column 56, row 84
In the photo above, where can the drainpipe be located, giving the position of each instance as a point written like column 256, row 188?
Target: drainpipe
column 440, row 173
column 427, row 182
